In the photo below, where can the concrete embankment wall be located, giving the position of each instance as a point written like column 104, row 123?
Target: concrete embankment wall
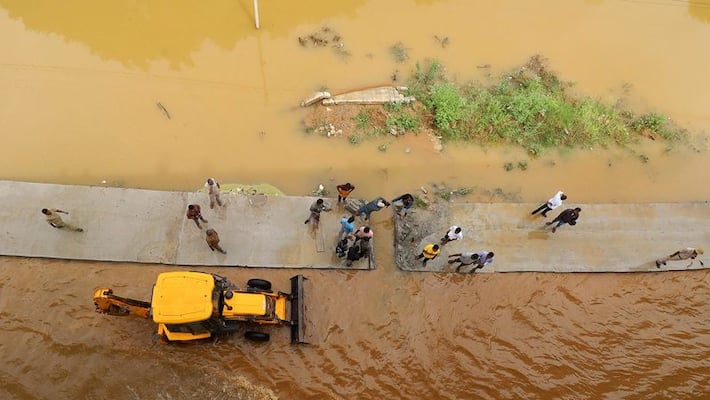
column 146, row 226
column 607, row 237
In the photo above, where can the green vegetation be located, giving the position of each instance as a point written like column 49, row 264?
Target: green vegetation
column 419, row 202
column 529, row 107
column 355, row 139
column 362, row 120
column 509, row 166
column 448, row 194
column 401, row 118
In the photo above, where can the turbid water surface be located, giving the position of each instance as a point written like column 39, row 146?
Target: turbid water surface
column 81, row 82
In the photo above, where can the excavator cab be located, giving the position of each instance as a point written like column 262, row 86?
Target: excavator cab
column 182, row 305
column 195, row 305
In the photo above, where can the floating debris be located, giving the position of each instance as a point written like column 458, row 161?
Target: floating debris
column 325, row 37
column 163, row 109
column 443, row 41
column 399, row 52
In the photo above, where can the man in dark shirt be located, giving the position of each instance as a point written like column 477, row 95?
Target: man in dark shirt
column 407, row 202
column 194, row 212
column 212, row 239
column 568, row 216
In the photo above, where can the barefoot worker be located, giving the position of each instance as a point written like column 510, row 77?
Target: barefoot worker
column 682, row 254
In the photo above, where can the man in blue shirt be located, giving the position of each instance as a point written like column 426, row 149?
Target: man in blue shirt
column 484, row 258
column 347, row 227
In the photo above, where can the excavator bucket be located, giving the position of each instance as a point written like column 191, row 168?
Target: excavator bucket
column 298, row 310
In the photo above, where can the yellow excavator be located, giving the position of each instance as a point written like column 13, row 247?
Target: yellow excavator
column 197, row 305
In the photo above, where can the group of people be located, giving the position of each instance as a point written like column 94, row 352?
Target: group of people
column 355, row 244
column 568, row 216
column 478, row 259
column 194, row 212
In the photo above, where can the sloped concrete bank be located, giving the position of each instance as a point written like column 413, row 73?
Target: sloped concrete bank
column 146, row 226
column 607, row 237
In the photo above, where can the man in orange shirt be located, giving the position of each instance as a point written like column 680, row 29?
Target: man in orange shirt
column 344, row 191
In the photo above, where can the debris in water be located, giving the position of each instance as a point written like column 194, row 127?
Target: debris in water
column 443, row 41
column 162, row 108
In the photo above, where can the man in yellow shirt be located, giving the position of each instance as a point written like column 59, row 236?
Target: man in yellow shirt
column 429, row 253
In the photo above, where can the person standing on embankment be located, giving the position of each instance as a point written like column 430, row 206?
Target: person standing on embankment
column 213, row 191
column 682, row 254
column 53, row 219
column 554, row 202
column 568, row 216
column 194, row 212
column 212, row 239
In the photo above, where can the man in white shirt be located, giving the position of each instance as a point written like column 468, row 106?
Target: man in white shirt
column 213, row 190
column 484, row 258
column 551, row 204
column 454, row 233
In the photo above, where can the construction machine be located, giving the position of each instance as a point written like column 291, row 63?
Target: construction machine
column 196, row 305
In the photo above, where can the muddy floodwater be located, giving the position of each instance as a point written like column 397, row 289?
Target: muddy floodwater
column 160, row 95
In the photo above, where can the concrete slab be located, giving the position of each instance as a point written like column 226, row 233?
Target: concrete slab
column 376, row 95
column 607, row 237
column 133, row 225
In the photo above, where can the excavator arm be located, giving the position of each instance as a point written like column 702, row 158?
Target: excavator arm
column 108, row 303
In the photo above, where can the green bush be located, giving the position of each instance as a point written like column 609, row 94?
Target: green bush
column 447, row 105
column 362, row 120
column 529, row 107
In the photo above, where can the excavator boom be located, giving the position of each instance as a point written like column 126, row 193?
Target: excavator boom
column 108, row 303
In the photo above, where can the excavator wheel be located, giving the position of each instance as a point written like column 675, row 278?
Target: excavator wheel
column 259, row 284
column 257, row 336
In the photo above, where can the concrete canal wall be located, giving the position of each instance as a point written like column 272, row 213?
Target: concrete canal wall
column 146, row 226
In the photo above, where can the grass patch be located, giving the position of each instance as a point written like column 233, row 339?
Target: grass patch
column 362, row 120
column 355, row 139
column 420, row 203
column 529, row 107
column 401, row 119
column 448, row 194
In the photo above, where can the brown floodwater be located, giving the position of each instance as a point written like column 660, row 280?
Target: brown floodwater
column 80, row 83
